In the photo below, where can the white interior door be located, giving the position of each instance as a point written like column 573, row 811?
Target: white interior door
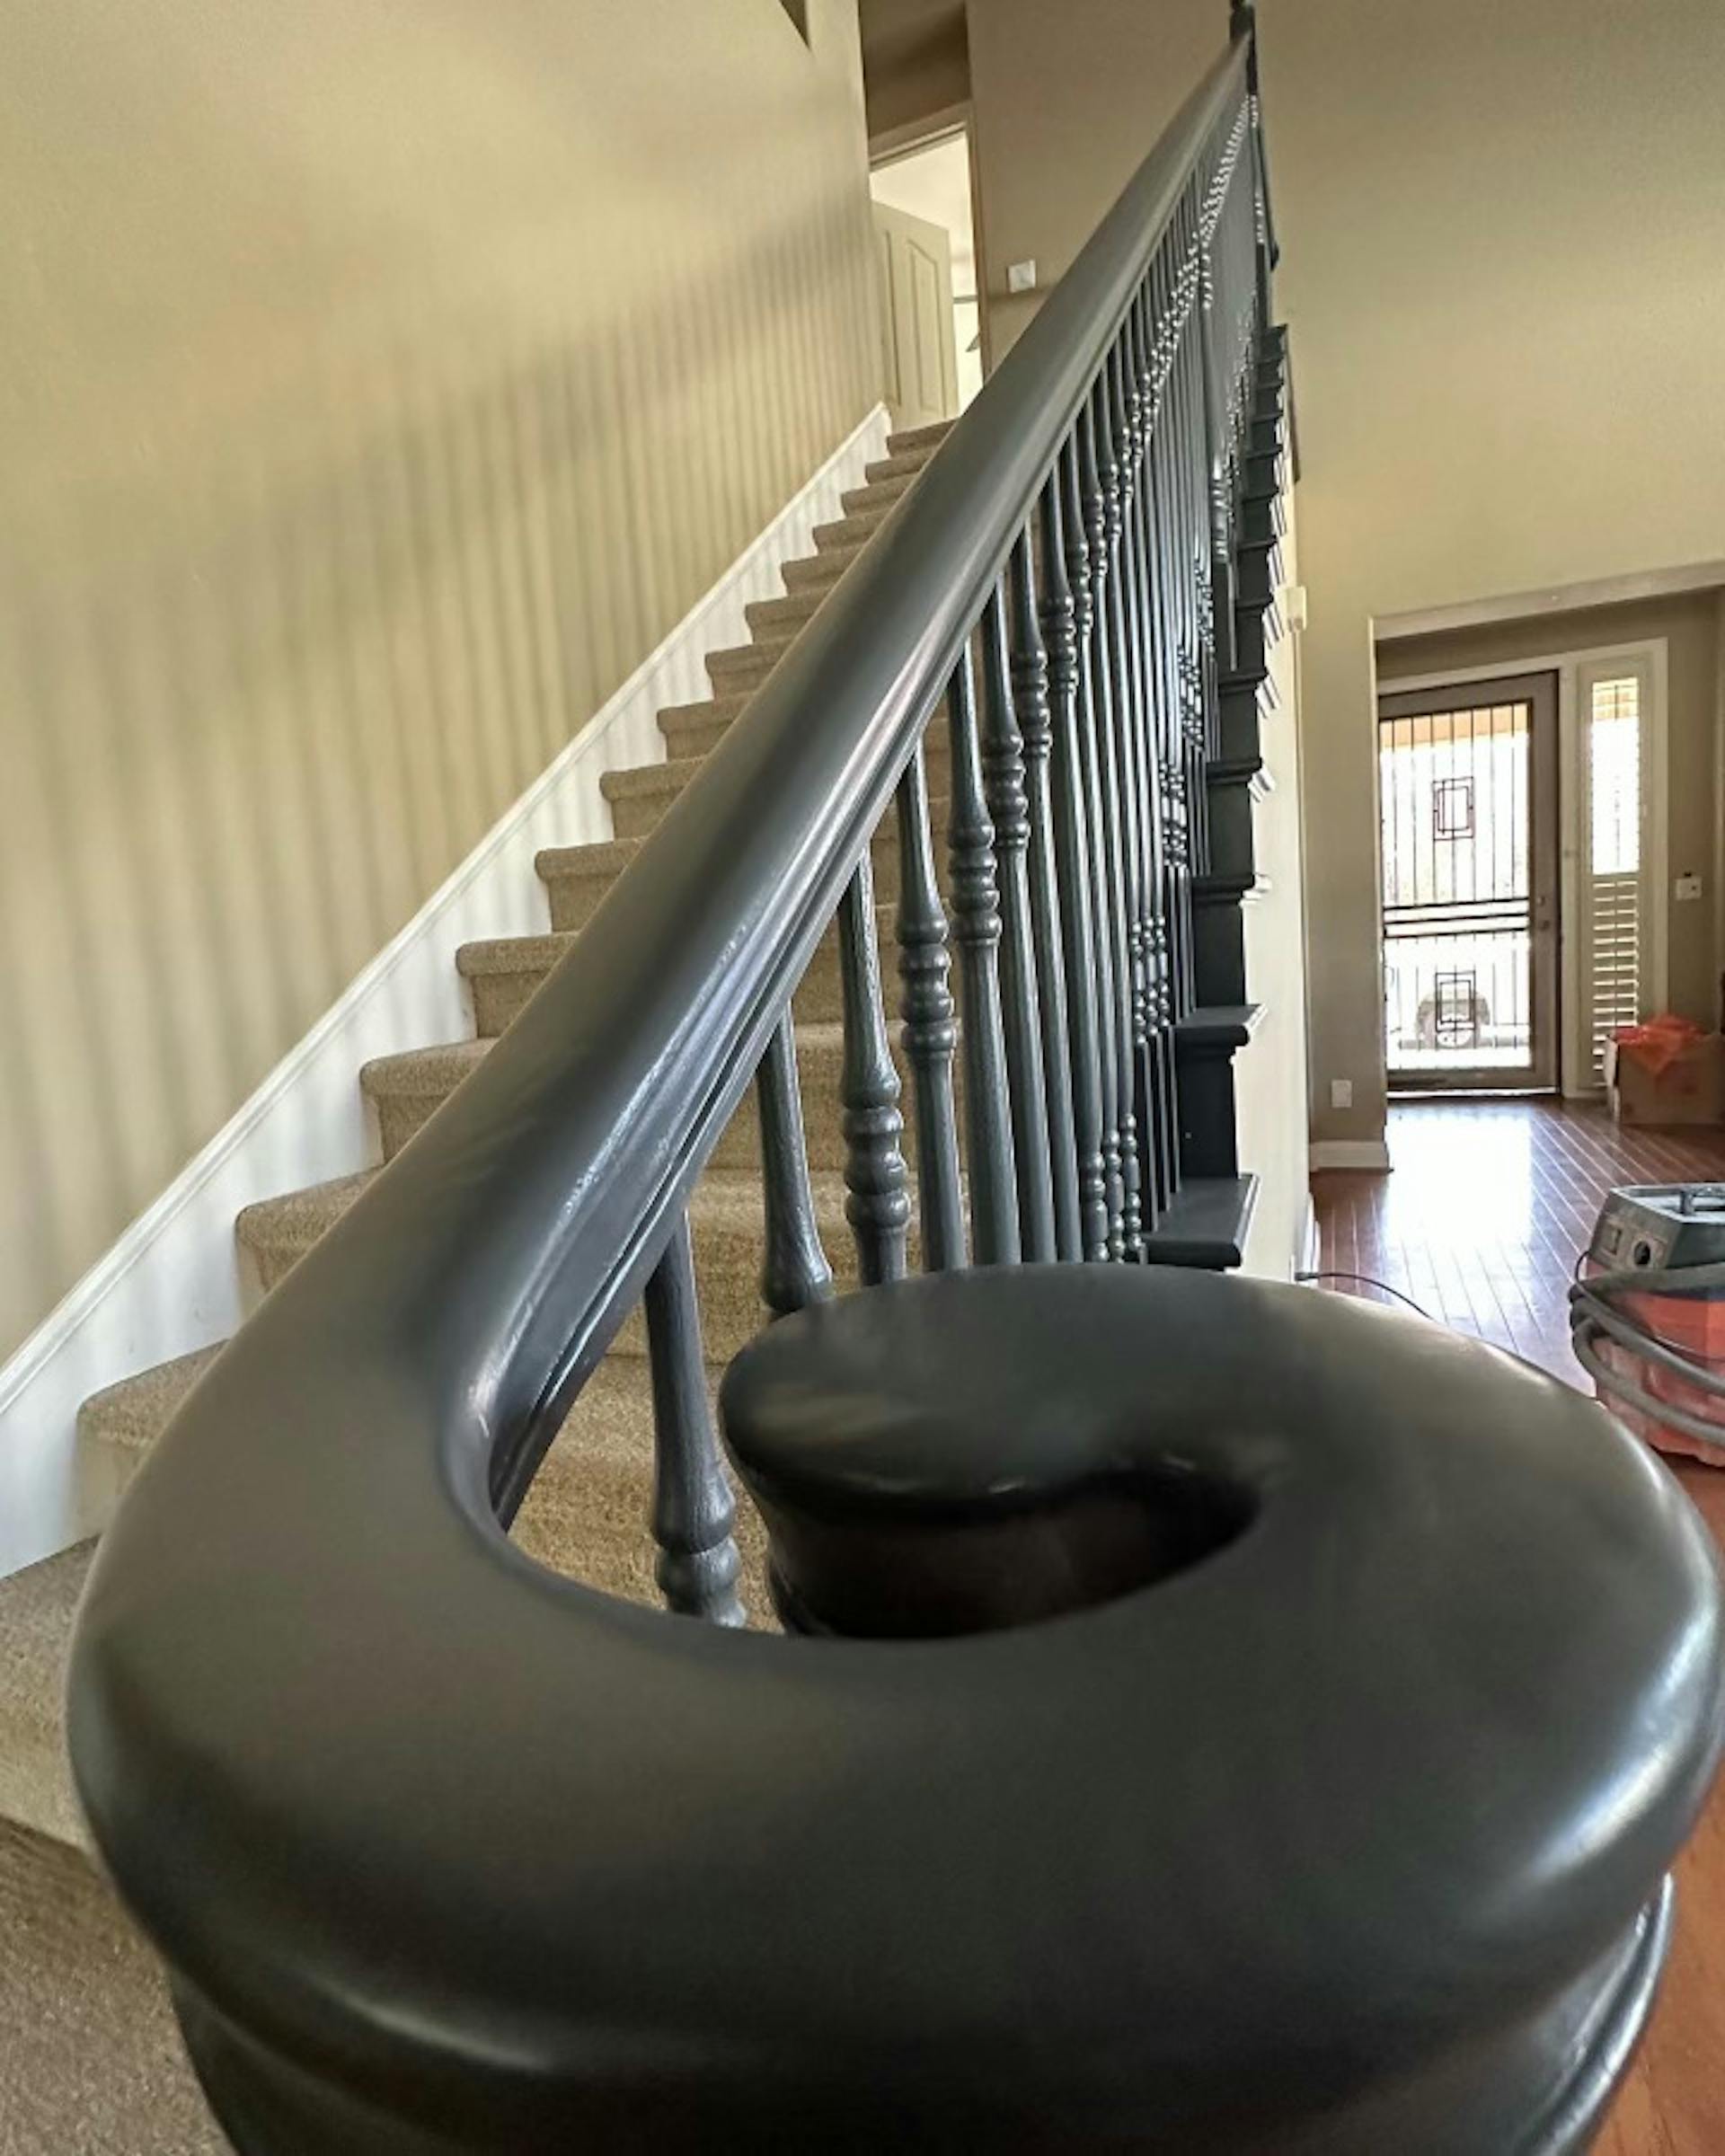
column 919, row 352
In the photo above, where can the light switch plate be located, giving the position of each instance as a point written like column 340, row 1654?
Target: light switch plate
column 1021, row 276
column 1341, row 1092
column 1686, row 887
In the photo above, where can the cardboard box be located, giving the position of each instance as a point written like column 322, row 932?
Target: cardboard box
column 1690, row 1089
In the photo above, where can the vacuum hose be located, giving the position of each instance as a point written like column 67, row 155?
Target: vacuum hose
column 1595, row 1314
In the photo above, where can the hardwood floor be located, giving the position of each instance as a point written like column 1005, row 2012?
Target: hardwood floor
column 1481, row 1224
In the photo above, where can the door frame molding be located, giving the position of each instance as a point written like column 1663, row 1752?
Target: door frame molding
column 1575, row 1073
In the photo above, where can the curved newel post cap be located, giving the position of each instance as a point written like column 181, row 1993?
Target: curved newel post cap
column 1390, row 1669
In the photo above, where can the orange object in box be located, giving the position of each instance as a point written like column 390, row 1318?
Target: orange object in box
column 1667, row 1072
column 1695, row 1325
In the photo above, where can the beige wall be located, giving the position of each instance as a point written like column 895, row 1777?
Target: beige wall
column 1067, row 103
column 1689, row 626
column 1502, row 230
column 378, row 385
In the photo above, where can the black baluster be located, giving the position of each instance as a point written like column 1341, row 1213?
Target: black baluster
column 1164, row 565
column 1151, row 637
column 876, row 1206
column 931, row 1030
column 1073, row 863
column 1110, row 673
column 1009, row 810
column 1214, row 421
column 1178, row 566
column 693, row 1512
column 1136, row 794
column 976, row 923
column 795, row 1271
column 1091, row 523
column 1209, row 611
column 1030, row 699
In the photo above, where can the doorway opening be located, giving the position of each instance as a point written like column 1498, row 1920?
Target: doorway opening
column 1467, row 805
column 1523, row 881
column 926, row 250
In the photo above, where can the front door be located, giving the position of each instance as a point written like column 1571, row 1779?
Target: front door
column 1467, row 803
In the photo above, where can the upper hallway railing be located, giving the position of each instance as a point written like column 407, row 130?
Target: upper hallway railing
column 357, row 1766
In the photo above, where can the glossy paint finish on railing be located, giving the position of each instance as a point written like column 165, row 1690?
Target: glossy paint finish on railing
column 436, row 1717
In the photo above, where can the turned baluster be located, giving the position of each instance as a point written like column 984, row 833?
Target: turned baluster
column 794, row 1271
column 876, row 1203
column 1102, row 778
column 1009, row 810
column 977, row 927
column 931, row 1032
column 1036, row 724
column 1072, row 849
column 693, row 1512
column 1120, row 801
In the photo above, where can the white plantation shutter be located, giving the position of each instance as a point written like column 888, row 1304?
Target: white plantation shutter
column 1613, row 886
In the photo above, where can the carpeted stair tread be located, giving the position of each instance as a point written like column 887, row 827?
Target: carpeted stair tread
column 878, row 494
column 690, row 730
column 692, row 737
column 37, row 1606
column 129, row 1413
column 743, row 665
column 901, row 464
column 670, row 776
column 419, row 1071
column 849, row 533
column 639, row 794
column 503, row 971
column 91, row 2060
column 276, row 1232
column 673, row 713
column 771, row 618
column 407, row 1090
column 925, row 438
column 819, row 572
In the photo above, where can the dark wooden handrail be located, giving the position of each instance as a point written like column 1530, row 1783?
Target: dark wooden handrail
column 307, row 1651
column 445, row 1854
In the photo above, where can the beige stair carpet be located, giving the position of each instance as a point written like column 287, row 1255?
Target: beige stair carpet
column 90, row 2062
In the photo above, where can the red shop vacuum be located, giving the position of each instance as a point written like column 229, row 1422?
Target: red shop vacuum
column 1647, row 1315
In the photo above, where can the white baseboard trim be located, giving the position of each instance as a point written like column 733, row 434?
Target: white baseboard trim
column 1350, row 1152
column 169, row 1284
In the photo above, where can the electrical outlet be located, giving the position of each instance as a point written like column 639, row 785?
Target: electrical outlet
column 1687, row 888
column 1021, row 276
column 1341, row 1092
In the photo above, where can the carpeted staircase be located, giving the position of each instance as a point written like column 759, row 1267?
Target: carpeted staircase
column 90, row 2063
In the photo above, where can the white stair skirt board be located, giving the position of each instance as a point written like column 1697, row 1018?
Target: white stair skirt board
column 171, row 1283
column 1350, row 1152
